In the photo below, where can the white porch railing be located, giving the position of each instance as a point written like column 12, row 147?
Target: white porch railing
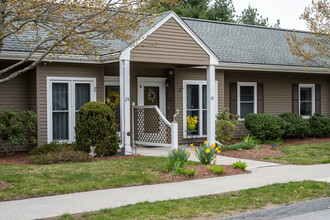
column 151, row 128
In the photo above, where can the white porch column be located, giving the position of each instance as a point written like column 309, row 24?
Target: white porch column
column 125, row 105
column 211, row 104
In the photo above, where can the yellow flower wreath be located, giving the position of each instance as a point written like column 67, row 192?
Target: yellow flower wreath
column 112, row 99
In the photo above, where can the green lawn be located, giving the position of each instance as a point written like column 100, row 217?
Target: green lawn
column 40, row 180
column 305, row 154
column 217, row 205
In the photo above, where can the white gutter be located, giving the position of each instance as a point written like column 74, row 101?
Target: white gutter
column 12, row 55
column 268, row 68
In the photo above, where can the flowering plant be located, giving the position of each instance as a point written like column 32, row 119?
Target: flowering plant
column 192, row 120
column 205, row 153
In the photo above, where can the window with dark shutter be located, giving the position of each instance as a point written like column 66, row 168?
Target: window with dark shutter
column 295, row 99
column 260, row 98
column 318, row 98
column 233, row 97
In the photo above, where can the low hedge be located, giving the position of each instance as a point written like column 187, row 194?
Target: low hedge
column 265, row 127
column 51, row 147
column 319, row 125
column 57, row 153
column 296, row 127
column 240, row 145
column 62, row 155
column 268, row 127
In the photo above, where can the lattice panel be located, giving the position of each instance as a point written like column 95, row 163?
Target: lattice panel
column 150, row 127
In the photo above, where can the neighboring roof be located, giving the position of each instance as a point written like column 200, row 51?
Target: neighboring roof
column 239, row 43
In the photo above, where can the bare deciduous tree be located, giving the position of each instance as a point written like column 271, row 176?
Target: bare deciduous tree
column 314, row 49
column 47, row 28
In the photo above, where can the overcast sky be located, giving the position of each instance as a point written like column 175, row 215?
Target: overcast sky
column 288, row 11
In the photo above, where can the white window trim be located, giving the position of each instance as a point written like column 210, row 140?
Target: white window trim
column 196, row 82
column 312, row 86
column 71, row 81
column 239, row 84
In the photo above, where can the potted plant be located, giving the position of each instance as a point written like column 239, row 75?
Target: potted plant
column 191, row 122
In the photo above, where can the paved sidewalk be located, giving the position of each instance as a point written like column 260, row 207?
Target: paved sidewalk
column 50, row 206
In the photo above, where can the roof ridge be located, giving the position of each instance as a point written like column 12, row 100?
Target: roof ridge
column 244, row 25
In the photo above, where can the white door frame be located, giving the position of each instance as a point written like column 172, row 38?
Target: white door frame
column 152, row 81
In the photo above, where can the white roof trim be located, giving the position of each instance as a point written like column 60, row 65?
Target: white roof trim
column 267, row 68
column 125, row 55
column 276, row 68
column 15, row 55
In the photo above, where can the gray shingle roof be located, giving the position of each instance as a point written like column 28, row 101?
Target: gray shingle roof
column 15, row 43
column 233, row 43
column 237, row 43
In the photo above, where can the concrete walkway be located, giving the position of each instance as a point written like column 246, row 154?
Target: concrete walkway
column 51, row 206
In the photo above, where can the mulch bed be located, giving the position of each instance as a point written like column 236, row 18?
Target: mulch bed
column 254, row 154
column 16, row 159
column 4, row 185
column 202, row 173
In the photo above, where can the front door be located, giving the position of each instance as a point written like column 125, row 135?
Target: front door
column 152, row 91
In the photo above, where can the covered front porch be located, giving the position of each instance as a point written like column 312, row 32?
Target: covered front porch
column 176, row 89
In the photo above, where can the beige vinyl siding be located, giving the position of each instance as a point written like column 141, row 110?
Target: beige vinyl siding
column 148, row 70
column 18, row 94
column 278, row 89
column 193, row 74
column 62, row 70
column 170, row 44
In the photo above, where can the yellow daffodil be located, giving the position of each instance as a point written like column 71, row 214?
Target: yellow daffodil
column 213, row 145
column 191, row 145
column 176, row 151
column 219, row 152
column 216, row 149
column 193, row 149
column 189, row 153
column 206, row 160
column 215, row 159
column 205, row 142
column 207, row 151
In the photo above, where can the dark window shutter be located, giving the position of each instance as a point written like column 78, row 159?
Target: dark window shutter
column 318, row 98
column 233, row 97
column 260, row 98
column 295, row 99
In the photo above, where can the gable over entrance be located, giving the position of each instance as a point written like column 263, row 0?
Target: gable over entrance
column 170, row 43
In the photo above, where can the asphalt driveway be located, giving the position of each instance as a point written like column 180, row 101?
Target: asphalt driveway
column 314, row 210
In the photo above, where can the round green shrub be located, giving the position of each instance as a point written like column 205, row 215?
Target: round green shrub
column 296, row 126
column 95, row 126
column 320, row 125
column 265, row 126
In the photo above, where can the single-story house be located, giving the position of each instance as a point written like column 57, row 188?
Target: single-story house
column 194, row 65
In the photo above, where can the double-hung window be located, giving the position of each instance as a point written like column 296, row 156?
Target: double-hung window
column 65, row 97
column 195, row 104
column 246, row 99
column 306, row 100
